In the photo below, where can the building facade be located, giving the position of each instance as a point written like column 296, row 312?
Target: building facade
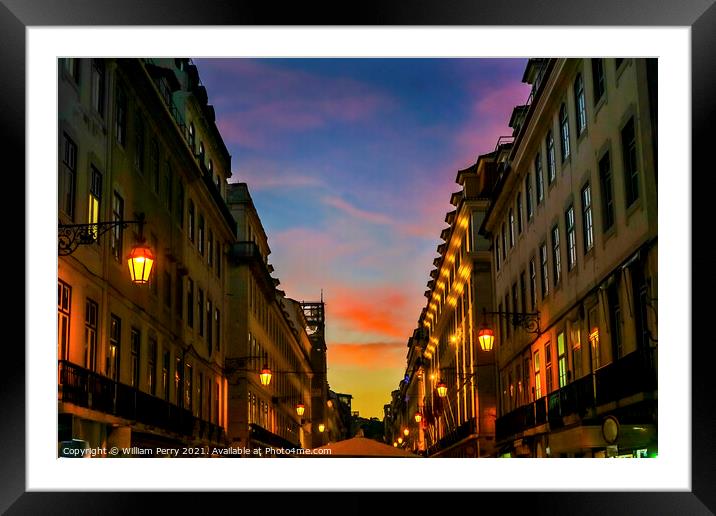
column 269, row 333
column 573, row 231
column 140, row 364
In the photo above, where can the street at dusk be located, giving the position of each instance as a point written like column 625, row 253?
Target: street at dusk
column 357, row 257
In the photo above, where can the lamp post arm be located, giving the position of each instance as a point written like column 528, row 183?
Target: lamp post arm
column 71, row 236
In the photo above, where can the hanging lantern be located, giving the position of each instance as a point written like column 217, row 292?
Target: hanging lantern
column 406, row 432
column 400, row 440
column 442, row 389
column 487, row 338
column 321, row 427
column 395, row 444
column 140, row 260
column 418, row 417
column 300, row 409
column 265, row 375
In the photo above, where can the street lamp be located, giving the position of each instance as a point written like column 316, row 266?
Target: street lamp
column 442, row 389
column 406, row 432
column 486, row 337
column 529, row 321
column 418, row 417
column 321, row 427
column 300, row 409
column 139, row 260
column 400, row 440
column 265, row 375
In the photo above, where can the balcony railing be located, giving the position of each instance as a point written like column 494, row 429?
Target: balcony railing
column 627, row 376
column 91, row 390
column 458, row 434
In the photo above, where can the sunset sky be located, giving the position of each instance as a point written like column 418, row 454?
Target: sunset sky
column 351, row 163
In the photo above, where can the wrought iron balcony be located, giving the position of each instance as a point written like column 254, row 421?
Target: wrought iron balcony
column 631, row 374
column 91, row 390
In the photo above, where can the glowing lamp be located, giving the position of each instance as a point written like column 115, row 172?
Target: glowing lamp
column 140, row 261
column 400, row 440
column 406, row 432
column 321, row 427
column 265, row 375
column 487, row 338
column 442, row 389
column 329, row 403
column 395, row 444
column 300, row 409
column 418, row 417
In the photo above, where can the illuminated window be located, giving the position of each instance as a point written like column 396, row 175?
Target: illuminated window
column 576, row 337
column 113, row 353
column 64, row 299
column 178, row 369
column 548, row 365
column 594, row 343
column 90, row 351
column 562, row 360
column 68, row 176
column 95, row 197
column 538, row 378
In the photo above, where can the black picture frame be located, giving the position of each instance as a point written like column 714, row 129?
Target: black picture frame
column 700, row 15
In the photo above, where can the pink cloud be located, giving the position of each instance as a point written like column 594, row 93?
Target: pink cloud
column 369, row 355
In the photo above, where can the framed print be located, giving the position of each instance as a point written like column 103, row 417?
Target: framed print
column 186, row 143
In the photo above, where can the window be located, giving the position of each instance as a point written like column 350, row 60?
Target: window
column 180, row 204
column 139, row 144
column 587, row 222
column 117, row 231
column 528, row 196
column 90, row 350
column 615, row 320
column 64, row 298
column 512, row 228
column 533, row 285
column 598, row 79
column 551, row 165
column 200, row 245
column 548, row 365
column 538, row 379
column 192, row 138
column 507, row 317
column 579, row 102
column 544, row 269
column 113, row 353
column 200, row 395
column 134, row 359
column 151, row 366
column 562, row 360
column 523, row 292
column 191, row 220
column 167, row 280
column 210, row 249
column 200, row 307
column 594, row 339
column 217, row 320
column 178, row 371
column 179, row 295
column 564, row 131
column 188, row 377
column 95, row 197
column 209, row 324
column 202, row 153
column 576, row 338
column 218, row 258
column 571, row 238
column 190, row 303
column 539, row 178
column 121, row 116
column 168, row 186
column 497, row 254
column 72, row 68
column 519, row 213
column 605, row 177
column 155, row 160
column 514, row 303
column 165, row 374
column 556, row 258
column 503, row 238
column 98, row 86
column 68, row 176
column 631, row 171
